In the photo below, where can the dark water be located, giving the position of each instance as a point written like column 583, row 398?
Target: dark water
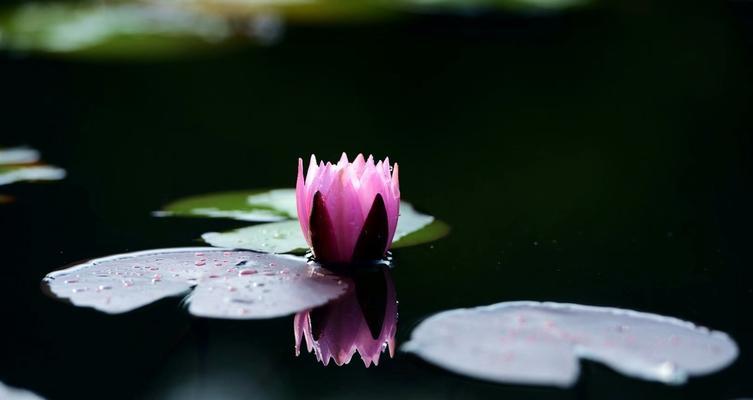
column 601, row 157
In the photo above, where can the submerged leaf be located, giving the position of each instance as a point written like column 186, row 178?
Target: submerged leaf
column 229, row 284
column 540, row 343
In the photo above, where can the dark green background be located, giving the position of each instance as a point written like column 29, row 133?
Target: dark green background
column 601, row 156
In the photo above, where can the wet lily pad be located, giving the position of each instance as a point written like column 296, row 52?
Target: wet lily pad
column 285, row 237
column 18, row 173
column 10, row 393
column 227, row 284
column 540, row 343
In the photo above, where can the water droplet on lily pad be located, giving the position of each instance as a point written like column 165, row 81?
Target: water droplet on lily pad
column 540, row 343
column 124, row 289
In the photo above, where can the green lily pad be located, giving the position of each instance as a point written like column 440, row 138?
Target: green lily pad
column 253, row 206
column 274, row 237
column 33, row 172
column 104, row 30
column 435, row 230
column 507, row 5
column 294, row 11
column 159, row 29
column 286, row 237
column 283, row 234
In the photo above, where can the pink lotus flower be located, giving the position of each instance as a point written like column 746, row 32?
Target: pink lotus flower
column 348, row 211
column 363, row 320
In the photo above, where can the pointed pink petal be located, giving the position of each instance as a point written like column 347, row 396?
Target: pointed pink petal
column 343, row 161
column 358, row 166
column 301, row 203
column 312, row 171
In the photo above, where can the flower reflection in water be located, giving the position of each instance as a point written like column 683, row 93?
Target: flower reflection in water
column 363, row 320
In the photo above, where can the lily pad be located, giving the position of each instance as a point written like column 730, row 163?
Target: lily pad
column 286, row 236
column 18, row 155
column 130, row 29
column 292, row 11
column 252, row 206
column 540, row 343
column 465, row 6
column 10, row 393
column 17, row 173
column 228, row 284
column 275, row 237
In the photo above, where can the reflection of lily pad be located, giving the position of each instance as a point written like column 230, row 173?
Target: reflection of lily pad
column 540, row 343
column 228, row 284
column 286, row 236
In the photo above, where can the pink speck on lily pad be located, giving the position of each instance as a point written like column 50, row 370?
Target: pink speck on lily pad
column 540, row 343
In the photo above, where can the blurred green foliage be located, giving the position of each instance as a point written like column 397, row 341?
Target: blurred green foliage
column 159, row 29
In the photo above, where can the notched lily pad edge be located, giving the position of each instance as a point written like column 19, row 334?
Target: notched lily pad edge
column 75, row 266
column 412, row 348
